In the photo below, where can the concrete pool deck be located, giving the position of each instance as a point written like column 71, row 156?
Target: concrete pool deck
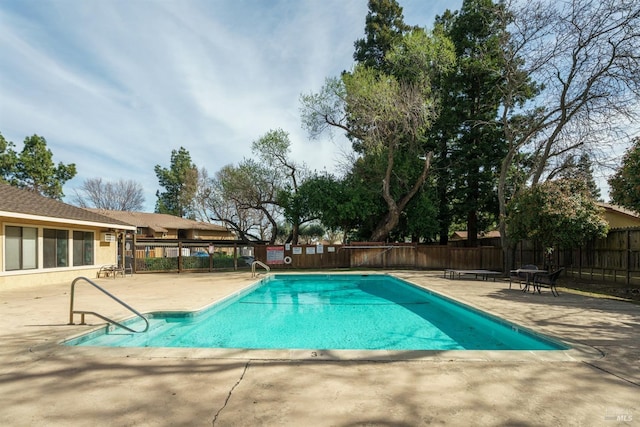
column 45, row 383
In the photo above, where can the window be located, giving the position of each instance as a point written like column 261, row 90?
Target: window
column 55, row 248
column 21, row 248
column 82, row 248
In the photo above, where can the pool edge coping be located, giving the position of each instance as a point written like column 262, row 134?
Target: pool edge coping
column 578, row 352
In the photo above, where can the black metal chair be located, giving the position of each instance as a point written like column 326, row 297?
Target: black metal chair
column 547, row 280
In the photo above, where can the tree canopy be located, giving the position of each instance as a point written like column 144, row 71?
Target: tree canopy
column 569, row 87
column 499, row 106
column 33, row 167
column 556, row 213
column 386, row 110
column 384, row 26
column 470, row 146
column 254, row 195
column 625, row 182
column 179, row 182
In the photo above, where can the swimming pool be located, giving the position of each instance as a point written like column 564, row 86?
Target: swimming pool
column 322, row 311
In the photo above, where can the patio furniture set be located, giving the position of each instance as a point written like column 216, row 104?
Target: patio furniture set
column 529, row 277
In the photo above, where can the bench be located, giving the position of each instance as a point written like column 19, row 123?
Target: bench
column 483, row 274
column 107, row 271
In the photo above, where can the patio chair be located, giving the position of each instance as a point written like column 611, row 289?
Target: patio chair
column 520, row 277
column 547, row 280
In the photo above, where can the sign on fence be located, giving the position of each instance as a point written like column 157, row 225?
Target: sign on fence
column 275, row 254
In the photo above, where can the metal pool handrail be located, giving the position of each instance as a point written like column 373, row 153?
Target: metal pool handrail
column 122, row 303
column 261, row 264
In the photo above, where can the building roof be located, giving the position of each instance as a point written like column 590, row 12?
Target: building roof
column 619, row 209
column 463, row 235
column 619, row 217
column 26, row 204
column 158, row 222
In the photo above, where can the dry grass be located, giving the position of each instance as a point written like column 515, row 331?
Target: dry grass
column 601, row 289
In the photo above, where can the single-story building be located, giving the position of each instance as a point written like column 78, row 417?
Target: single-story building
column 164, row 226
column 619, row 217
column 44, row 241
column 616, row 216
column 490, row 238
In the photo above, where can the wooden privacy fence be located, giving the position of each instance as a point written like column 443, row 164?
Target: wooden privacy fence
column 615, row 258
column 377, row 255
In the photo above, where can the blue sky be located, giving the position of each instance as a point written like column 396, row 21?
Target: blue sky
column 115, row 85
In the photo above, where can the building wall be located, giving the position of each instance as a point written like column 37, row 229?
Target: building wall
column 213, row 235
column 19, row 281
column 172, row 233
column 621, row 220
column 103, row 253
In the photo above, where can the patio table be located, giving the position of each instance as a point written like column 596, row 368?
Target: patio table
column 531, row 274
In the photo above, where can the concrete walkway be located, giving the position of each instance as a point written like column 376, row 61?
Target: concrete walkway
column 43, row 383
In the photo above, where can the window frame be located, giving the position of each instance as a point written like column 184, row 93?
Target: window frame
column 55, row 247
column 51, row 250
column 23, row 251
column 84, row 247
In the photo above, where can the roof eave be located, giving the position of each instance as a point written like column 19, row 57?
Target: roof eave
column 32, row 217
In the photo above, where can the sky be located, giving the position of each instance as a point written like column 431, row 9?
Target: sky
column 114, row 86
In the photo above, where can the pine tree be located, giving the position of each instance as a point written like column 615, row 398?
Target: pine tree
column 625, row 183
column 384, row 26
column 179, row 182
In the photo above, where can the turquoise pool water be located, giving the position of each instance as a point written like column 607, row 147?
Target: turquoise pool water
column 367, row 312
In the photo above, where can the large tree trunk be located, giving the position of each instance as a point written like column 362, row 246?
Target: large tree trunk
column 472, row 213
column 472, row 229
column 274, row 226
column 505, row 242
column 444, row 214
column 295, row 233
column 386, row 226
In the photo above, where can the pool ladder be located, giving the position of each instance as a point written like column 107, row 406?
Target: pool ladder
column 261, row 264
column 83, row 312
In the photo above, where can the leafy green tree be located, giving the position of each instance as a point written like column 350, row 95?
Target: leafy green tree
column 559, row 213
column 421, row 219
column 395, row 64
column 386, row 116
column 180, row 183
column 7, row 159
column 312, row 232
column 33, row 167
column 321, row 197
column 625, row 182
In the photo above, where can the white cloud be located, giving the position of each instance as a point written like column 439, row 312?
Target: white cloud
column 115, row 86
